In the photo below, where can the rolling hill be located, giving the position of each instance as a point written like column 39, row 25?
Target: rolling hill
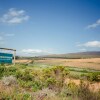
column 92, row 54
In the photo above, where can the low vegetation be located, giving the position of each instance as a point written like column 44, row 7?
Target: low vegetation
column 27, row 82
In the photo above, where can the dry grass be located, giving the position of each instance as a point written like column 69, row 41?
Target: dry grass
column 23, row 61
column 46, row 94
column 93, row 63
column 6, row 89
column 95, row 86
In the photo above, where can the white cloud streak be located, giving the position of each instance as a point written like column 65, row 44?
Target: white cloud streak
column 14, row 16
column 35, row 51
column 95, row 44
column 94, row 25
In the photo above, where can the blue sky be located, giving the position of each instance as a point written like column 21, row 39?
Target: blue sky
column 37, row 27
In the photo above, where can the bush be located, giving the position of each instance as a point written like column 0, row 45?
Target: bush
column 50, row 81
column 2, row 70
column 15, row 95
column 95, row 76
column 33, row 85
column 25, row 84
column 7, row 71
column 36, row 86
column 55, row 71
column 47, row 72
column 25, row 76
column 84, row 93
column 19, row 74
column 72, row 89
column 10, row 71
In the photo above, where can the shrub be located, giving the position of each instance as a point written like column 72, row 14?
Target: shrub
column 72, row 89
column 47, row 72
column 2, row 70
column 10, row 71
column 54, row 76
column 55, row 71
column 36, row 86
column 33, row 85
column 19, row 74
column 94, row 76
column 75, row 76
column 32, row 61
column 84, row 93
column 15, row 95
column 25, row 76
column 50, row 81
column 46, row 94
column 25, row 84
column 26, row 96
column 7, row 71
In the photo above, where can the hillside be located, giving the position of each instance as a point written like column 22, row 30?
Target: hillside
column 92, row 54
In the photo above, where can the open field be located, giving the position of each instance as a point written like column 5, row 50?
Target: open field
column 92, row 63
column 51, row 79
column 23, row 61
column 39, row 82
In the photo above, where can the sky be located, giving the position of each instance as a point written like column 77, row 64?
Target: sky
column 40, row 27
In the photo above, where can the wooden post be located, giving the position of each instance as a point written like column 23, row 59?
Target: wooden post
column 14, row 57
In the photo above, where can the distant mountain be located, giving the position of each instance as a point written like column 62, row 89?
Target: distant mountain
column 92, row 54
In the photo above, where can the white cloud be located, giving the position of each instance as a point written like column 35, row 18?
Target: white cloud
column 35, row 52
column 94, row 25
column 14, row 16
column 91, row 44
column 9, row 35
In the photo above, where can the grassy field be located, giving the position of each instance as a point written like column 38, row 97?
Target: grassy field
column 33, row 82
column 50, row 79
column 92, row 63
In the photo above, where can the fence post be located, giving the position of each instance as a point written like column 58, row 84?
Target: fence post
column 14, row 57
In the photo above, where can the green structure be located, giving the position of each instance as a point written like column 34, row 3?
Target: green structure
column 7, row 57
